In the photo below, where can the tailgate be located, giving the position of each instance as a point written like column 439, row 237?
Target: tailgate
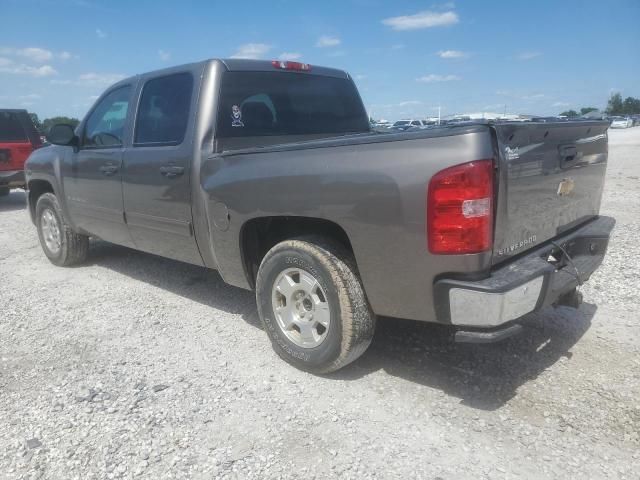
column 17, row 139
column 13, row 155
column 551, row 177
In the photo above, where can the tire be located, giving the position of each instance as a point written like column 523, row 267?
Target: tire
column 72, row 247
column 4, row 191
column 338, row 293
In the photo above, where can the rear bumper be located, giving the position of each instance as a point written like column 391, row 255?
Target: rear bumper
column 12, row 178
column 527, row 283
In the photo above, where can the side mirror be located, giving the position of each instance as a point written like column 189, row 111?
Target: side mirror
column 62, row 134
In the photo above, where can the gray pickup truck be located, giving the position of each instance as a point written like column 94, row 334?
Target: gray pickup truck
column 270, row 173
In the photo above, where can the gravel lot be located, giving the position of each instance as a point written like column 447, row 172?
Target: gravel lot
column 137, row 366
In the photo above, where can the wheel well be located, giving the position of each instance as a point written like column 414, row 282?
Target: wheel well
column 259, row 235
column 37, row 188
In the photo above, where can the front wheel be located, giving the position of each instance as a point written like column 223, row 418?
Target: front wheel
column 61, row 245
column 4, row 191
column 312, row 304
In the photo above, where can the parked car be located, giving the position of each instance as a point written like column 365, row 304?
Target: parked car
column 621, row 122
column 404, row 125
column 269, row 173
column 18, row 138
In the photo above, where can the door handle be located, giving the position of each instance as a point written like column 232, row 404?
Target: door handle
column 171, row 171
column 108, row 169
column 568, row 154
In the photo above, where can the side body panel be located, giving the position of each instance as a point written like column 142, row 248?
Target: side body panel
column 373, row 186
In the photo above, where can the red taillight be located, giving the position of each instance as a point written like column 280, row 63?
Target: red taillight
column 285, row 65
column 460, row 209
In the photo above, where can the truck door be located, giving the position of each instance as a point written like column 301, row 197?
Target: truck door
column 92, row 175
column 156, row 177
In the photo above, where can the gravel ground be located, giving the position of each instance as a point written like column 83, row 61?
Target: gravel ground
column 138, row 366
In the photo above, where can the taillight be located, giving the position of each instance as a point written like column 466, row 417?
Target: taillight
column 285, row 65
column 460, row 209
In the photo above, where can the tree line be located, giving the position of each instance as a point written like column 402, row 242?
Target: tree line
column 44, row 125
column 615, row 106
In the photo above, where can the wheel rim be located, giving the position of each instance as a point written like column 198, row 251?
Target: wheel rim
column 50, row 230
column 301, row 307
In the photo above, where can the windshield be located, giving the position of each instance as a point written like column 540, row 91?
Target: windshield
column 254, row 104
column 401, row 123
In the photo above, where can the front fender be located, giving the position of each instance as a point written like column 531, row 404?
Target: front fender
column 44, row 165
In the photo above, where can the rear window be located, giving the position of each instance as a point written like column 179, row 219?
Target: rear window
column 11, row 129
column 255, row 104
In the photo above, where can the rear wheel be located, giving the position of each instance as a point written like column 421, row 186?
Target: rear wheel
column 312, row 305
column 61, row 245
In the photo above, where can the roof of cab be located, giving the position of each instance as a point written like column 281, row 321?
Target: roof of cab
column 239, row 65
column 244, row 65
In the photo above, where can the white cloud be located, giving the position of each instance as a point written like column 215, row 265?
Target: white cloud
column 528, row 55
column 9, row 66
column 433, row 78
column 426, row 19
column 452, row 54
column 360, row 77
column 251, row 50
column 493, row 106
column 34, row 54
column 409, row 103
column 100, row 33
column 534, row 96
column 99, row 79
column 561, row 104
column 328, row 41
column 30, row 96
column 289, row 56
column 92, row 80
column 164, row 55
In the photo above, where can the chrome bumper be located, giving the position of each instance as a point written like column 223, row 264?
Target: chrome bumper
column 527, row 283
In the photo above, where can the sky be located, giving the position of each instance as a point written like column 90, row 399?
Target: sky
column 407, row 57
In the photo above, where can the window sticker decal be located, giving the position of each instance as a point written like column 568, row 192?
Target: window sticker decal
column 236, row 117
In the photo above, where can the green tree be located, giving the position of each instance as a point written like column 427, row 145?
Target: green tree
column 631, row 106
column 569, row 113
column 615, row 105
column 585, row 110
column 47, row 123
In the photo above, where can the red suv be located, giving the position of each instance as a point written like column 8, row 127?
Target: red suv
column 18, row 138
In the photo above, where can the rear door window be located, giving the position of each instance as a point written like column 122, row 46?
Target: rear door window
column 163, row 113
column 11, row 129
column 254, row 104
